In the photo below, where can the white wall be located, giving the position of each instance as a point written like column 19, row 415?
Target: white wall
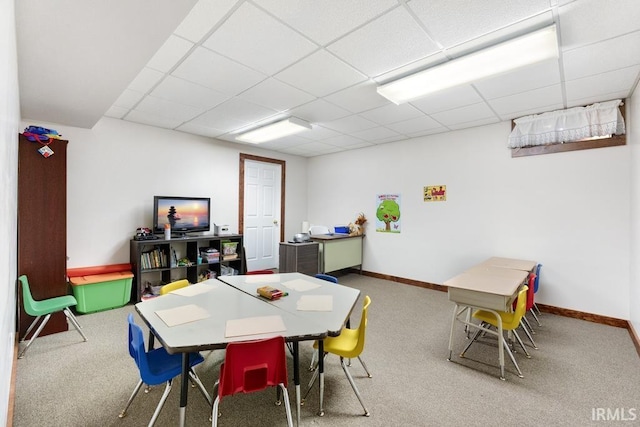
column 569, row 211
column 9, row 119
column 633, row 139
column 115, row 169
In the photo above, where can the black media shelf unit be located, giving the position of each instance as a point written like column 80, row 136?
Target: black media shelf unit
column 154, row 261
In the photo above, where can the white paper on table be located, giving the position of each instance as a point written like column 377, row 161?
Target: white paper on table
column 262, row 278
column 183, row 314
column 300, row 285
column 315, row 303
column 192, row 290
column 254, row 326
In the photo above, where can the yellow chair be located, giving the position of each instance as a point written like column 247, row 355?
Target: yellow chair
column 349, row 344
column 510, row 322
column 173, row 286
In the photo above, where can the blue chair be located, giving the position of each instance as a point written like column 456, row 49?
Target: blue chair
column 535, row 288
column 157, row 367
column 327, row 277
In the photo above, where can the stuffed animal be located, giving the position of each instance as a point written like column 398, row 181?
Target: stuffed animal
column 357, row 228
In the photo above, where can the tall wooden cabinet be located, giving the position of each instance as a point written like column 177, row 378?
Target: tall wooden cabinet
column 42, row 226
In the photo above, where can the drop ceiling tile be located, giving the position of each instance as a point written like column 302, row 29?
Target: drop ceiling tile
column 350, row 124
column 389, row 42
column 319, row 111
column 392, row 113
column 535, row 110
column 169, row 54
column 128, row 98
column 472, row 18
column 474, row 123
column 274, row 94
column 601, row 57
column 196, row 129
column 320, row 74
column 215, row 120
column 389, row 139
column 319, row 133
column 439, row 129
column 376, row 134
column 324, row 21
column 254, row 38
column 116, row 112
column 204, row 15
column 601, row 84
column 579, row 102
column 447, row 99
column 359, row 98
column 464, row 114
column 184, row 92
column 145, row 80
column 537, row 98
column 415, row 125
column 583, row 22
column 163, row 108
column 151, row 120
column 536, row 76
column 216, row 72
column 244, row 111
column 344, row 141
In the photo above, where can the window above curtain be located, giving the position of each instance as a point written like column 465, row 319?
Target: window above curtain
column 602, row 119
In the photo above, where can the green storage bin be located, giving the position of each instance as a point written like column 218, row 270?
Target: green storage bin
column 101, row 292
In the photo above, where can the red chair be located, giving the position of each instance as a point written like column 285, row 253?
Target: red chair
column 251, row 366
column 259, row 272
column 526, row 326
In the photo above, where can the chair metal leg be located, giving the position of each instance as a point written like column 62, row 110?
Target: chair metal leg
column 526, row 331
column 533, row 313
column 513, row 359
column 133, row 395
column 35, row 321
column 515, row 334
column 535, row 306
column 526, row 321
column 473, row 339
column 74, row 322
column 35, row 335
column 363, row 365
column 167, row 389
column 194, row 378
column 353, row 386
column 312, row 365
column 287, row 405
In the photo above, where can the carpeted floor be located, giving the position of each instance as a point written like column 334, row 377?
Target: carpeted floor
column 582, row 374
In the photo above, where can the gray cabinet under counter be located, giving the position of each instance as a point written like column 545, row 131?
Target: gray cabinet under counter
column 299, row 257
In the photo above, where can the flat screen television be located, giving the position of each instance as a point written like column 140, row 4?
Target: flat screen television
column 185, row 214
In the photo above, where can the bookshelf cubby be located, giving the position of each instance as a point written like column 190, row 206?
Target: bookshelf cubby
column 160, row 261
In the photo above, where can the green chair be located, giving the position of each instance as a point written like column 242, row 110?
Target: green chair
column 45, row 308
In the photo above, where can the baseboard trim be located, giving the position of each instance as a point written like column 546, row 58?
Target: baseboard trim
column 590, row 317
column 12, row 387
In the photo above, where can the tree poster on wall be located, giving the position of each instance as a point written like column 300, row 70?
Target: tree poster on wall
column 388, row 213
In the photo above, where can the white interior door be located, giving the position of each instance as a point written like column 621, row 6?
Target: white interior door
column 261, row 214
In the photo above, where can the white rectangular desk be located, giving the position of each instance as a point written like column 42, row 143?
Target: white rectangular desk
column 224, row 302
column 484, row 287
column 344, row 299
column 510, row 263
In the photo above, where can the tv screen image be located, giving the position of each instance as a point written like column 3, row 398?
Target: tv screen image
column 184, row 214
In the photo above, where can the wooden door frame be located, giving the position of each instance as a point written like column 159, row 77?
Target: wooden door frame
column 283, row 165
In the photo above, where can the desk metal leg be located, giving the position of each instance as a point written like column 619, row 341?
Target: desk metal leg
column 321, row 373
column 296, row 378
column 184, row 387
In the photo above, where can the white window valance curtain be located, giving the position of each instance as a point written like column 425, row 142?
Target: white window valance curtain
column 573, row 124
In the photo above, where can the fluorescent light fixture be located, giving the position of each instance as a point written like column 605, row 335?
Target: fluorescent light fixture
column 274, row 131
column 507, row 56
